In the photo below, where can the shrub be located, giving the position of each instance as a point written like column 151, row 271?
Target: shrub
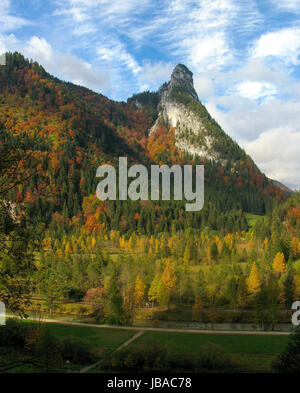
column 154, row 358
column 213, row 358
column 13, row 333
column 75, row 294
column 289, row 360
column 75, row 350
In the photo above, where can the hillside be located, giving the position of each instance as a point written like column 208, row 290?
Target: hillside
column 115, row 257
column 75, row 130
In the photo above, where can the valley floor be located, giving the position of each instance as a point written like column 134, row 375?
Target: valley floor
column 253, row 351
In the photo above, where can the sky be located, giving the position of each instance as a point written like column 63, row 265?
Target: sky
column 244, row 54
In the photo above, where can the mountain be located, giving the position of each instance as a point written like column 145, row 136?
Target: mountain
column 74, row 130
column 195, row 131
column 285, row 189
column 197, row 134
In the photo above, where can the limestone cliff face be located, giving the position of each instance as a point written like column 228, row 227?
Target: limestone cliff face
column 190, row 133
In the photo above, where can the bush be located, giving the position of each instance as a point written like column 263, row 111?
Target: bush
column 75, row 294
column 154, row 358
column 37, row 341
column 13, row 333
column 289, row 360
column 213, row 358
column 75, row 350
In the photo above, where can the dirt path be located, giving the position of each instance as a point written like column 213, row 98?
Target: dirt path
column 130, row 340
column 88, row 368
column 153, row 329
column 137, row 335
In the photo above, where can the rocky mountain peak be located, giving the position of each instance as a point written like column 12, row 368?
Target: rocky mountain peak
column 181, row 81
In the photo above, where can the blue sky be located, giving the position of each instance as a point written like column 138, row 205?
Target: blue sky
column 245, row 56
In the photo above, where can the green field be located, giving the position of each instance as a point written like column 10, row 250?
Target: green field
column 252, row 219
column 255, row 353
column 102, row 340
column 234, row 343
column 99, row 338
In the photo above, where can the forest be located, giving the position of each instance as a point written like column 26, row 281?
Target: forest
column 64, row 251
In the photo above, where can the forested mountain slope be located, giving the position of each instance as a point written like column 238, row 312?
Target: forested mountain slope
column 75, row 130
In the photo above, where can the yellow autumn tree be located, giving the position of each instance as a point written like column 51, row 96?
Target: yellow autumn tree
column 47, row 243
column 139, row 290
column 93, row 242
column 168, row 281
column 187, row 254
column 229, row 240
column 266, row 243
column 168, row 277
column 132, row 243
column 219, row 244
column 154, row 289
column 68, row 248
column 295, row 247
column 253, row 281
column 279, row 263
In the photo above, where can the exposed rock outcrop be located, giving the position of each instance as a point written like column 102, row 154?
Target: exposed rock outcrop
column 190, row 133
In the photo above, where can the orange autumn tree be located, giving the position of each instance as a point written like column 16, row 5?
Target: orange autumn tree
column 254, row 281
column 279, row 263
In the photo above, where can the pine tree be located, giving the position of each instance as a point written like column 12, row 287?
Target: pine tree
column 197, row 308
column 113, row 308
column 289, row 289
column 242, row 291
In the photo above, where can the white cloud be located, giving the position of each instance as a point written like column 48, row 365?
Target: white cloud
column 245, row 120
column 101, row 14
column 7, row 42
column 284, row 44
column 277, row 152
column 152, row 76
column 269, row 132
column 39, row 48
column 64, row 65
column 203, row 86
column 118, row 55
column 199, row 32
column 255, row 90
column 209, row 51
column 8, row 21
column 287, row 5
